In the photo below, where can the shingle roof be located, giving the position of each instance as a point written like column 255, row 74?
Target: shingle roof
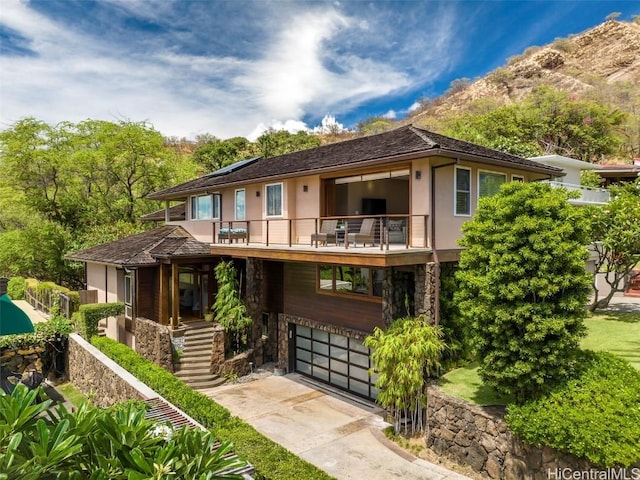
column 401, row 141
column 176, row 213
column 144, row 248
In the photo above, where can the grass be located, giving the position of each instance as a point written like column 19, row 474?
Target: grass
column 72, row 394
column 614, row 332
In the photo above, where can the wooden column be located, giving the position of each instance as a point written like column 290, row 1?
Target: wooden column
column 163, row 297
column 175, row 294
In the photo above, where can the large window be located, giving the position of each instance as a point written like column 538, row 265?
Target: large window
column 240, row 205
column 462, row 192
column 205, row 207
column 489, row 183
column 274, row 200
column 343, row 279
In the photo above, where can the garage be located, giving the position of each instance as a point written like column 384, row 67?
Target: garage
column 335, row 359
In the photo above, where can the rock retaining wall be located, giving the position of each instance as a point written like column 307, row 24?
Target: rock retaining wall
column 153, row 342
column 479, row 437
column 99, row 377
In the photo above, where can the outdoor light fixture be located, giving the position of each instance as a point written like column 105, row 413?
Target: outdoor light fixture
column 305, row 188
column 418, row 174
column 257, row 193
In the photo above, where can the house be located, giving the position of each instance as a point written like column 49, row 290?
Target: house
column 616, row 174
column 571, row 180
column 395, row 203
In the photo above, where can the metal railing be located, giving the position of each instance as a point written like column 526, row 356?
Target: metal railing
column 587, row 194
column 410, row 231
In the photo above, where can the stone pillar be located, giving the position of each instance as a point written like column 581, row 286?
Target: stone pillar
column 388, row 295
column 253, row 301
column 283, row 340
column 426, row 277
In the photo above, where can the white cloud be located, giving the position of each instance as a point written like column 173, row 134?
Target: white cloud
column 414, row 106
column 391, row 114
column 305, row 65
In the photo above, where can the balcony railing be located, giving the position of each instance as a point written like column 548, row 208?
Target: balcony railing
column 388, row 231
column 588, row 195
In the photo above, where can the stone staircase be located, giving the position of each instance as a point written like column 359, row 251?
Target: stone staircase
column 194, row 365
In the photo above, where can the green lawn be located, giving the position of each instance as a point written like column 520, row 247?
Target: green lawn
column 618, row 333
column 71, row 393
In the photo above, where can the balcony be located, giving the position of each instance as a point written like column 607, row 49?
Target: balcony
column 588, row 195
column 403, row 237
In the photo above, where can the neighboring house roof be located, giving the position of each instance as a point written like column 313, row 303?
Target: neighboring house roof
column 176, row 214
column 626, row 170
column 565, row 162
column 399, row 145
column 144, row 248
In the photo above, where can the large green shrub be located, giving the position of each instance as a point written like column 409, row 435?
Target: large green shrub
column 44, row 332
column 230, row 310
column 523, row 287
column 595, row 416
column 101, row 444
column 87, row 318
column 15, row 288
column 272, row 461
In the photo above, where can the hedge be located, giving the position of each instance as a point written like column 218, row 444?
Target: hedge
column 15, row 288
column 272, row 461
column 87, row 318
column 594, row 416
column 44, row 331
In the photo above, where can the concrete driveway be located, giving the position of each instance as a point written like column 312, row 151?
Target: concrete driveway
column 338, row 434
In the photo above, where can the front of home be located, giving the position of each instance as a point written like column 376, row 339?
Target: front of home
column 330, row 243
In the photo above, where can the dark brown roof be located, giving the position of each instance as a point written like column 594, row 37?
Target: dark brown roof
column 144, row 248
column 176, row 213
column 384, row 146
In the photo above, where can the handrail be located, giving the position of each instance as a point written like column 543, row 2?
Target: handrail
column 298, row 231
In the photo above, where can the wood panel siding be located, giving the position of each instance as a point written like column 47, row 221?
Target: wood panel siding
column 147, row 294
column 273, row 287
column 301, row 299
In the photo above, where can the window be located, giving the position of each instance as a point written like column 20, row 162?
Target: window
column 343, row 279
column 274, row 200
column 489, row 183
column 462, row 191
column 240, row 204
column 128, row 295
column 517, row 178
column 205, row 207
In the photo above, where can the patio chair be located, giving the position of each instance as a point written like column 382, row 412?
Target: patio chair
column 366, row 234
column 327, row 232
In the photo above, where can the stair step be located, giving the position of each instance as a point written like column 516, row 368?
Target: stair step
column 210, row 384
column 193, row 368
column 195, row 378
column 202, row 343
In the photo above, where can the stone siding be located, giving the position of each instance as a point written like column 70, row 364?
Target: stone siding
column 479, row 437
column 153, row 342
column 397, row 286
column 425, row 289
column 97, row 376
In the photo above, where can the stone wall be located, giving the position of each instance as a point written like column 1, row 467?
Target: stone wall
column 397, row 285
column 19, row 360
column 153, row 342
column 100, row 378
column 426, row 277
column 479, row 437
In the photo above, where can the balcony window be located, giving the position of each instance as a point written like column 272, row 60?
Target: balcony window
column 205, row 207
column 462, row 191
column 240, row 204
column 129, row 284
column 274, row 200
column 489, row 183
column 350, row 280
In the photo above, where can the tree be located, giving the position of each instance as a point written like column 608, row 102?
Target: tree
column 404, row 355
column 547, row 121
column 615, row 231
column 230, row 310
column 278, row 142
column 374, row 125
column 215, row 154
column 523, row 286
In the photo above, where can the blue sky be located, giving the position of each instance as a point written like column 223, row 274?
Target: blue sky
column 237, row 67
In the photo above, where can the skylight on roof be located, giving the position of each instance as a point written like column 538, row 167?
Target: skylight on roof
column 233, row 167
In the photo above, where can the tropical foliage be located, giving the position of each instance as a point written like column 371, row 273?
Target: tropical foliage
column 404, row 356
column 110, row 444
column 230, row 310
column 615, row 230
column 523, row 287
